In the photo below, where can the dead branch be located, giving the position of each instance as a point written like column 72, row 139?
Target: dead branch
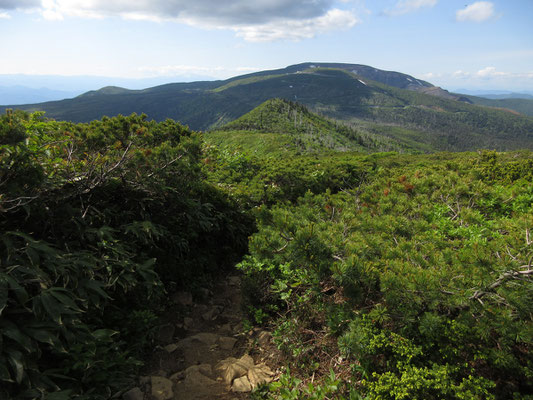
column 166, row 165
column 281, row 249
column 288, row 239
column 70, row 151
column 506, row 276
column 455, row 213
column 15, row 203
column 509, row 253
column 121, row 161
column 53, row 143
column 105, row 172
column 444, row 291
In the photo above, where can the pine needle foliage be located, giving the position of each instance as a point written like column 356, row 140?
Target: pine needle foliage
column 422, row 274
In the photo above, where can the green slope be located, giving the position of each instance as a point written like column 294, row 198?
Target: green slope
column 281, row 125
column 522, row 106
column 345, row 92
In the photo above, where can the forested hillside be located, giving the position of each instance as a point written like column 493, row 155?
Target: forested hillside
column 309, row 131
column 306, row 131
column 380, row 275
column 383, row 102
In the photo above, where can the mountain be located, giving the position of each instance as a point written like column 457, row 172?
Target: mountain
column 387, row 103
column 439, row 92
column 507, row 96
column 186, row 101
column 280, row 125
column 107, row 90
column 25, row 89
column 22, row 95
column 521, row 105
column 391, row 78
column 496, row 94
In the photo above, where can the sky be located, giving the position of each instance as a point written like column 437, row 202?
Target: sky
column 450, row 43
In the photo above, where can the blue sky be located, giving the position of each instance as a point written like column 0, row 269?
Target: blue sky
column 453, row 44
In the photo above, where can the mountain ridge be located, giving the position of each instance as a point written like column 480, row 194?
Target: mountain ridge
column 396, row 103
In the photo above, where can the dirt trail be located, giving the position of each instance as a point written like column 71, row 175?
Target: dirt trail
column 205, row 355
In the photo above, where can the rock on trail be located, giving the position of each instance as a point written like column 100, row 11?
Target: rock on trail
column 204, row 356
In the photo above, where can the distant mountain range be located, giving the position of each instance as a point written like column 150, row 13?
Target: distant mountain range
column 496, row 94
column 519, row 104
column 24, row 95
column 26, row 89
column 507, row 96
column 388, row 103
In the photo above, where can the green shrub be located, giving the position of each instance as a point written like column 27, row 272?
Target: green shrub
column 93, row 218
column 424, row 271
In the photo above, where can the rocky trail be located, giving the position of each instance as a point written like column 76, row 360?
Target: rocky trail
column 204, row 354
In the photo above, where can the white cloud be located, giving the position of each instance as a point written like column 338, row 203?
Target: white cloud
column 461, row 74
column 298, row 29
column 430, row 75
column 476, row 12
column 490, row 72
column 408, row 6
column 486, row 78
column 258, row 20
column 4, row 15
column 50, row 11
column 485, row 73
column 210, row 11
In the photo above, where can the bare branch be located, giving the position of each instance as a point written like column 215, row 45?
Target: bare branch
column 455, row 213
column 166, row 165
column 15, row 203
column 282, row 248
column 105, row 173
column 122, row 159
column 70, row 151
column 447, row 292
column 52, row 143
column 288, row 239
column 506, row 276
column 509, row 252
